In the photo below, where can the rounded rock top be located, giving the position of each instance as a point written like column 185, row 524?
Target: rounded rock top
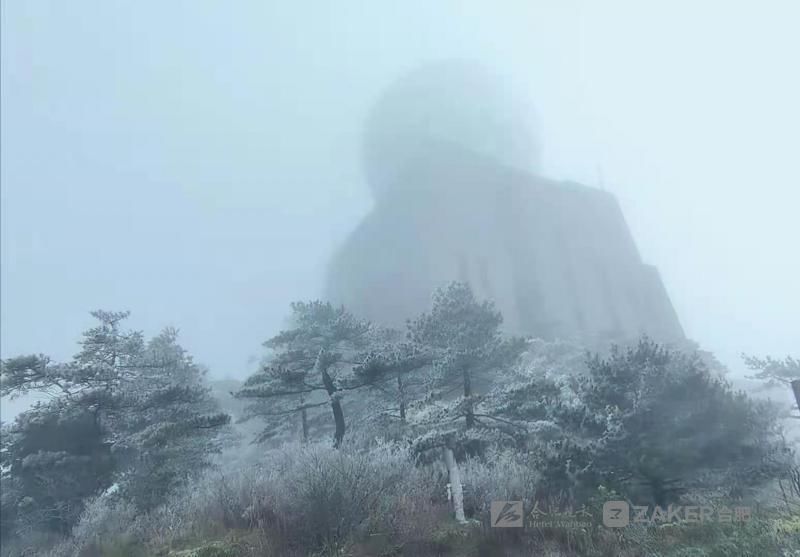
column 449, row 103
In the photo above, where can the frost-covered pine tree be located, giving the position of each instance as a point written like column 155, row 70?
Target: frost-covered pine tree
column 52, row 457
column 312, row 366
column 58, row 453
column 677, row 426
column 123, row 410
column 647, row 421
column 166, row 423
column 398, row 372
column 774, row 372
column 462, row 337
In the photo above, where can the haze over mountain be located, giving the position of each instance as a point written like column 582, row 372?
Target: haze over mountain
column 198, row 164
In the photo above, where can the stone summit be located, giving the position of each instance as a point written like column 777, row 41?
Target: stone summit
column 452, row 160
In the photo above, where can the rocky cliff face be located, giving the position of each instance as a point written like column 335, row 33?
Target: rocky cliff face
column 453, row 204
column 557, row 258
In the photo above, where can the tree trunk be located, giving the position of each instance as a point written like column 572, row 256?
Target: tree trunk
column 467, row 395
column 336, row 406
column 455, row 484
column 402, row 398
column 338, row 418
column 304, row 417
column 796, row 390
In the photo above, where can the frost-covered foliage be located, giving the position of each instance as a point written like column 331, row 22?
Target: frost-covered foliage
column 681, row 427
column 166, row 424
column 500, row 475
column 442, row 419
column 329, row 495
column 556, row 358
column 312, row 496
column 53, row 456
column 773, row 371
column 106, row 522
column 105, row 362
column 463, row 338
column 398, row 372
column 313, row 358
column 651, row 423
column 123, row 411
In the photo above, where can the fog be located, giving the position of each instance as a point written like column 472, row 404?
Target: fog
column 198, row 162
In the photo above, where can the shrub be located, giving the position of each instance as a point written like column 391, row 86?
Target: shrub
column 310, row 496
column 328, row 495
column 104, row 528
column 652, row 423
column 498, row 476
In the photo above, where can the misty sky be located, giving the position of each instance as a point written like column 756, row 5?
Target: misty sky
column 198, row 162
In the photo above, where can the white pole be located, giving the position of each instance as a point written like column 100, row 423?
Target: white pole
column 455, row 485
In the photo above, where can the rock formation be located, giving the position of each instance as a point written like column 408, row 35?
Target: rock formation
column 452, row 165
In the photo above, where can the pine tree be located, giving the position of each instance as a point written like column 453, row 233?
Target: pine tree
column 773, row 372
column 316, row 356
column 58, row 453
column 650, row 423
column 397, row 369
column 462, row 337
column 166, row 423
column 123, row 411
column 53, row 456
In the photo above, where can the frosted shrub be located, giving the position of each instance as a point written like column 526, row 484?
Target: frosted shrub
column 224, row 497
column 308, row 495
column 416, row 508
column 328, row 495
column 498, row 476
column 105, row 516
column 217, row 501
column 161, row 526
column 105, row 520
